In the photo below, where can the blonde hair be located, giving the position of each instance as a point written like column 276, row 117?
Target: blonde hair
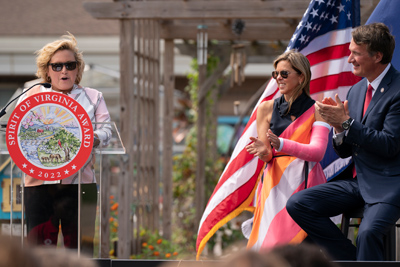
column 44, row 55
column 302, row 66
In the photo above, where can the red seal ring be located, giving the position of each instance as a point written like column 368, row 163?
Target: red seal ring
column 49, row 136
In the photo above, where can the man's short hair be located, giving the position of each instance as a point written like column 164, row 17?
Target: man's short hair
column 378, row 38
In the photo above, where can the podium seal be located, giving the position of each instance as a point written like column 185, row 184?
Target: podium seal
column 49, row 136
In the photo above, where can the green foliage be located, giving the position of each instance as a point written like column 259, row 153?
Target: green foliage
column 65, row 142
column 184, row 176
column 184, row 168
column 113, row 221
column 155, row 247
column 192, row 87
column 29, row 134
column 67, row 139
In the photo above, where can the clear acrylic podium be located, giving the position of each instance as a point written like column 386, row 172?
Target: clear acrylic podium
column 12, row 215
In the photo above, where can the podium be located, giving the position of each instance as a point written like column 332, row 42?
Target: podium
column 13, row 202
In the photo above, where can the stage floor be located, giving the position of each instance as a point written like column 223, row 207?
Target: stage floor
column 157, row 263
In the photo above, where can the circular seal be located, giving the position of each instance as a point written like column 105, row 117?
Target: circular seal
column 49, row 136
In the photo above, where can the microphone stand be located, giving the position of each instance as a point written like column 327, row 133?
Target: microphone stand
column 3, row 111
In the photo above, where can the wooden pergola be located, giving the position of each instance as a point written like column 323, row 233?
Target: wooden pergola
column 142, row 25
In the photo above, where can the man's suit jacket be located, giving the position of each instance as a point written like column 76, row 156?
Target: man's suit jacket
column 374, row 140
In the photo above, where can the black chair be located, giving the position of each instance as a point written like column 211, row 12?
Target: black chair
column 389, row 240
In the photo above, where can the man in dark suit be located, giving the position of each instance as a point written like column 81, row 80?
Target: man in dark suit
column 368, row 129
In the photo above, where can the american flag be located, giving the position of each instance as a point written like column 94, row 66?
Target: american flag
column 323, row 35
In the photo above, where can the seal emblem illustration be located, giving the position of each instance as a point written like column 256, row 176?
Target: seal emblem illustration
column 49, row 136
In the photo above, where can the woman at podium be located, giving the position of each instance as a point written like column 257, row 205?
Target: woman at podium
column 51, row 207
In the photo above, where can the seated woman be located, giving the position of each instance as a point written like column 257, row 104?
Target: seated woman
column 292, row 139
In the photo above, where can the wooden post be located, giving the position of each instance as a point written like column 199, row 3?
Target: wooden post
column 168, row 113
column 154, row 74
column 201, row 150
column 213, row 125
column 105, row 207
column 201, row 120
column 128, row 102
column 140, row 203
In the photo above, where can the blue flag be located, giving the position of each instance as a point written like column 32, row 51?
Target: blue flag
column 387, row 11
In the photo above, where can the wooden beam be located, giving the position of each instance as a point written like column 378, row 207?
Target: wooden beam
column 283, row 9
column 222, row 32
column 256, row 52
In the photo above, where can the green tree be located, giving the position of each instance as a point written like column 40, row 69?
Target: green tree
column 64, row 141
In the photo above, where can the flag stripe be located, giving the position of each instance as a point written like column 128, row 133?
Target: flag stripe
column 237, row 164
column 241, row 177
column 332, row 67
column 230, row 201
column 333, row 38
column 325, row 83
column 269, row 93
column 220, row 221
column 329, row 53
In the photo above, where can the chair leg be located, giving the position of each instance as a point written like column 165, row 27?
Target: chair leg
column 390, row 245
column 345, row 225
column 389, row 239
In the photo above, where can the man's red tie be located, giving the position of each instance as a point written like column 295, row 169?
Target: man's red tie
column 368, row 97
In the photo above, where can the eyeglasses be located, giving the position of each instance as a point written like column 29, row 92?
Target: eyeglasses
column 284, row 74
column 59, row 66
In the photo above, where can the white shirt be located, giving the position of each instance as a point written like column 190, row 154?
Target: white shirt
column 338, row 137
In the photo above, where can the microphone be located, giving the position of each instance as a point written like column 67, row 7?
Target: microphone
column 3, row 111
